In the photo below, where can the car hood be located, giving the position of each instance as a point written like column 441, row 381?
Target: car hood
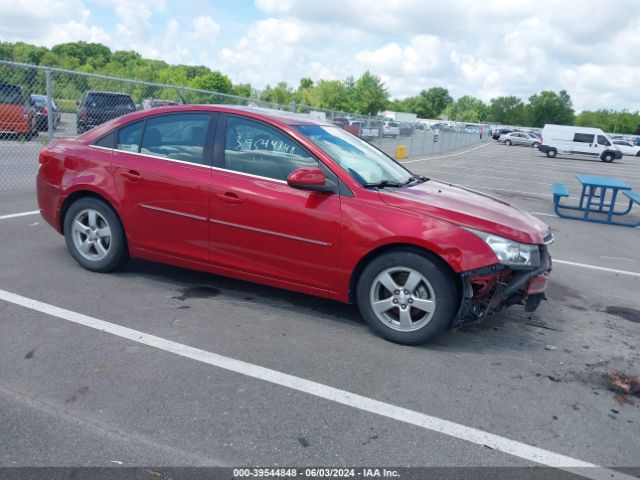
column 468, row 208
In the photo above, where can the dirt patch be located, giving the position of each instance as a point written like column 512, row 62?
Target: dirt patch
column 631, row 314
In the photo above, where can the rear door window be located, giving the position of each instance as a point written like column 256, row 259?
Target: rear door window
column 177, row 136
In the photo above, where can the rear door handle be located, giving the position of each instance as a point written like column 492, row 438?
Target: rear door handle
column 230, row 197
column 132, row 175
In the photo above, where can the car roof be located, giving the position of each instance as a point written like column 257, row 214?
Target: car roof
column 105, row 92
column 288, row 118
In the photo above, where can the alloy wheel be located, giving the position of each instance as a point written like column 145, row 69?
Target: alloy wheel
column 403, row 299
column 91, row 234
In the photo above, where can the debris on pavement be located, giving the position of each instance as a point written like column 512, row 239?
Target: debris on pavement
column 627, row 384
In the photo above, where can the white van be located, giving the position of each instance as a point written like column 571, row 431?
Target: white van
column 582, row 141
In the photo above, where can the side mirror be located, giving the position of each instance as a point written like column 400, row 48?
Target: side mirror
column 309, row 178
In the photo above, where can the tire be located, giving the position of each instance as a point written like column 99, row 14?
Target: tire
column 607, row 157
column 106, row 250
column 507, row 142
column 552, row 152
column 638, row 154
column 535, row 145
column 409, row 325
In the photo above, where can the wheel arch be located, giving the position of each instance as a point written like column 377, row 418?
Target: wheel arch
column 399, row 247
column 82, row 193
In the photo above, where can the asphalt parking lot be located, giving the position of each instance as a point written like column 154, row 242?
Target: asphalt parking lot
column 78, row 392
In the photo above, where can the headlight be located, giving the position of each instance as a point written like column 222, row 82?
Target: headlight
column 511, row 253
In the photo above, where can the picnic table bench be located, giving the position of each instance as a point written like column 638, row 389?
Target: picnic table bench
column 597, row 200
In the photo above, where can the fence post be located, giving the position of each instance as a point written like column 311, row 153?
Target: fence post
column 50, row 114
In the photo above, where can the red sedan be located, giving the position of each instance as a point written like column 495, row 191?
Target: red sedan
column 281, row 199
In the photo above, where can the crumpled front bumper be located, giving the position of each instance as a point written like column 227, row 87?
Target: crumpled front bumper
column 496, row 287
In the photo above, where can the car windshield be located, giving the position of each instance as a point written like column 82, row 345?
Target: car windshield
column 109, row 100
column 366, row 164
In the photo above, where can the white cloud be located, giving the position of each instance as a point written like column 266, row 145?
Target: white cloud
column 485, row 49
column 204, row 29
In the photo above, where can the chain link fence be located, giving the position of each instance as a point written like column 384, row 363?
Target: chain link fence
column 39, row 104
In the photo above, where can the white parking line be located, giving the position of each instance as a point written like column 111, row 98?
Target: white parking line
column 21, row 214
column 343, row 397
column 595, row 267
column 444, row 156
column 480, row 187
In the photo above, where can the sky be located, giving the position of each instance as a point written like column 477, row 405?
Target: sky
column 484, row 48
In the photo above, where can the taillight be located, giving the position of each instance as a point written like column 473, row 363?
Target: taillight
column 43, row 110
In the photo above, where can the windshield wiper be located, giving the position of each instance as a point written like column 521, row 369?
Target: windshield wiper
column 383, row 184
column 391, row 183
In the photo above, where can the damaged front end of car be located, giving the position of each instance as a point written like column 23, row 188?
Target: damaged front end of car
column 520, row 278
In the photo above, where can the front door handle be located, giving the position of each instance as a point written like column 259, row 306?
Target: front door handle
column 230, row 197
column 132, row 175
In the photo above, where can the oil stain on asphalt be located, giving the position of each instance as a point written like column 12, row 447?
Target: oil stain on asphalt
column 631, row 314
column 199, row 291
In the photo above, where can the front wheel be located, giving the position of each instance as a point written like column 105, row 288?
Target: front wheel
column 552, row 152
column 94, row 235
column 607, row 157
column 406, row 297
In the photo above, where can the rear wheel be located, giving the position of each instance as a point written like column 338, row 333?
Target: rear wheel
column 535, row 145
column 552, row 152
column 638, row 154
column 507, row 142
column 94, row 235
column 607, row 157
column 406, row 297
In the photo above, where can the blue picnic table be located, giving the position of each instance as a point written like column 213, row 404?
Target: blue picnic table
column 597, row 200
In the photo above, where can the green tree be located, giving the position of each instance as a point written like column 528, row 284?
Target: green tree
column 467, row 109
column 331, row 94
column 508, row 111
column 370, row 96
column 212, row 81
column 551, row 107
column 282, row 94
column 243, row 90
column 431, row 103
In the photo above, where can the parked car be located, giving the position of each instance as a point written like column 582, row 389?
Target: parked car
column 296, row 203
column 520, row 138
column 420, row 126
column 95, row 108
column 17, row 117
column 495, row 134
column 580, row 141
column 368, row 130
column 42, row 114
column 405, row 129
column 627, row 148
column 148, row 103
column 390, row 129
